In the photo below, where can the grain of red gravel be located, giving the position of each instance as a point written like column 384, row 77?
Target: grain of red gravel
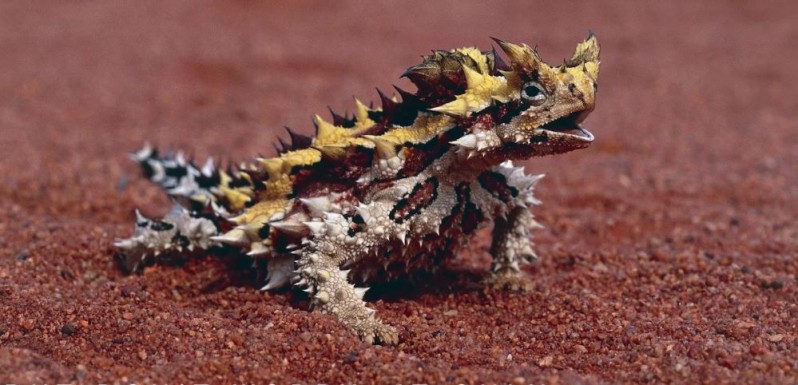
column 669, row 253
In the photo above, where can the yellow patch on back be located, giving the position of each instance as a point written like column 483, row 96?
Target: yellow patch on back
column 237, row 197
column 424, row 128
column 254, row 217
column 482, row 87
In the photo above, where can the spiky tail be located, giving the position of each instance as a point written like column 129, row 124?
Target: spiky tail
column 189, row 226
column 181, row 232
column 180, row 178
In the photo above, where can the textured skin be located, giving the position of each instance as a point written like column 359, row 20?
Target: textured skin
column 389, row 190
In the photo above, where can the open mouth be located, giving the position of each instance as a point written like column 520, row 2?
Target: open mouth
column 569, row 125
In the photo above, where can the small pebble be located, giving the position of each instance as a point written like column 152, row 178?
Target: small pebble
column 68, row 329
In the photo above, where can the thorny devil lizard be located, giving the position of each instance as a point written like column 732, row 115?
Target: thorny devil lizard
column 389, row 190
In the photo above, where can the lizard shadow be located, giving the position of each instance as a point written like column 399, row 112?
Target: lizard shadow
column 232, row 269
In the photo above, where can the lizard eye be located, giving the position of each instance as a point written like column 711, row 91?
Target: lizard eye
column 533, row 93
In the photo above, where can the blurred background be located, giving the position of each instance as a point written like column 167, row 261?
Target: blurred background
column 692, row 176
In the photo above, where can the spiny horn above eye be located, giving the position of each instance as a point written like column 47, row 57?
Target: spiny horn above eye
column 522, row 58
column 586, row 51
column 499, row 63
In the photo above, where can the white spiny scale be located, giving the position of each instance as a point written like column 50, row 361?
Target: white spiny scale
column 529, row 181
column 322, row 296
column 251, row 229
column 289, row 226
column 361, row 291
column 317, row 228
column 234, row 237
column 466, row 141
column 143, row 154
column 181, row 190
column 140, row 218
column 317, row 205
column 180, row 158
column 278, row 216
column 124, row 243
column 363, row 211
column 280, row 271
column 333, row 217
column 257, row 249
column 208, row 168
column 158, row 172
column 268, row 286
column 516, row 173
column 402, row 235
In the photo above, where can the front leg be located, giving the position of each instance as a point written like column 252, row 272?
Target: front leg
column 512, row 245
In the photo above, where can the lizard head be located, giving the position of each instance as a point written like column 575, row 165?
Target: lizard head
column 535, row 109
column 552, row 101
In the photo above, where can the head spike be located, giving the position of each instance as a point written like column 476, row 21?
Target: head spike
column 586, row 52
column 522, row 58
column 498, row 63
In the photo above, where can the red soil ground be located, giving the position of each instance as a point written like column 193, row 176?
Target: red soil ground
column 669, row 253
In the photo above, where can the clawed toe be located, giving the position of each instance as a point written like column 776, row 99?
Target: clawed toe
column 379, row 333
column 508, row 281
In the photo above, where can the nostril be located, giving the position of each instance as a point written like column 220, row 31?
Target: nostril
column 572, row 88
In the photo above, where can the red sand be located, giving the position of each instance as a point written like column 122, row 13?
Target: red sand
column 669, row 253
